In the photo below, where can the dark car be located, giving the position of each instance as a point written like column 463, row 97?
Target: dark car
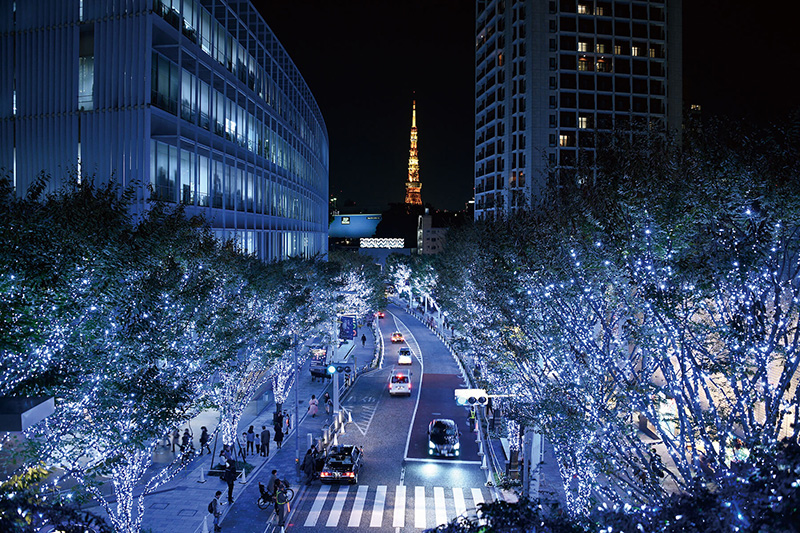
column 342, row 465
column 443, row 438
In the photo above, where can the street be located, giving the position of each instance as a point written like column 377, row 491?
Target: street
column 400, row 487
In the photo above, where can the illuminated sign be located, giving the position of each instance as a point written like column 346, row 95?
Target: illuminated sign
column 382, row 243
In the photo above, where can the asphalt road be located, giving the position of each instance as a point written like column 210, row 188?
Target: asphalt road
column 400, row 488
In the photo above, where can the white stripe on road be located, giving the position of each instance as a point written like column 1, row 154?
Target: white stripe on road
column 419, row 507
column 399, row 519
column 338, row 505
column 377, row 507
column 439, row 505
column 358, row 507
column 458, row 501
column 316, row 509
column 477, row 497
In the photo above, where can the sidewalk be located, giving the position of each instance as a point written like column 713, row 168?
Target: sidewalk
column 180, row 506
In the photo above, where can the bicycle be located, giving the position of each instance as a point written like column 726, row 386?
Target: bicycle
column 282, row 496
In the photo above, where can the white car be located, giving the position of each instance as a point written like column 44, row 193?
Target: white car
column 404, row 357
column 400, row 383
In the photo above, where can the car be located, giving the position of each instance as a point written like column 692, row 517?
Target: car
column 342, row 465
column 400, row 383
column 381, row 314
column 404, row 356
column 397, row 337
column 443, row 438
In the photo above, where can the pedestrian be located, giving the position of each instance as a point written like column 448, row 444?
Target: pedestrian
column 312, row 406
column 277, row 419
column 186, row 441
column 251, row 439
column 229, row 476
column 278, row 436
column 363, row 340
column 176, row 438
column 280, row 508
column 472, row 420
column 326, row 399
column 264, row 441
column 287, row 422
column 308, row 465
column 226, row 453
column 204, row 438
column 217, row 511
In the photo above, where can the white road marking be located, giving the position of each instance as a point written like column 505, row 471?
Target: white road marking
column 338, row 505
column 419, row 507
column 358, row 507
column 377, row 507
column 458, row 501
column 319, row 502
column 399, row 519
column 477, row 497
column 439, row 505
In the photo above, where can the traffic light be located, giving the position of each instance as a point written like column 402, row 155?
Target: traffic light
column 332, row 369
column 471, row 397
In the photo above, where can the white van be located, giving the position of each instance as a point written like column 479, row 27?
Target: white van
column 400, row 383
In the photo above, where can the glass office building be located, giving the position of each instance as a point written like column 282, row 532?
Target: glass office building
column 190, row 101
column 552, row 76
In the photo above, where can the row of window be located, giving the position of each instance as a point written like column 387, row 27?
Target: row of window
column 205, row 30
column 176, row 90
column 183, row 176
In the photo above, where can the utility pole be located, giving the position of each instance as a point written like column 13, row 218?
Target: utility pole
column 296, row 411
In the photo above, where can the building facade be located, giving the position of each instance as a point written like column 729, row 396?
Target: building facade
column 188, row 101
column 553, row 75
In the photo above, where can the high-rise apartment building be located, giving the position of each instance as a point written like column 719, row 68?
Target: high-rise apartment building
column 553, row 75
column 194, row 100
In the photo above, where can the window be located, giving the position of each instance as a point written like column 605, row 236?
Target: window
column 652, row 52
column 563, row 140
column 618, row 49
column 602, row 66
column 552, row 121
column 583, row 122
column 635, row 50
column 552, row 140
column 583, row 64
column 583, row 46
column 600, row 48
column 582, row 9
column 599, row 11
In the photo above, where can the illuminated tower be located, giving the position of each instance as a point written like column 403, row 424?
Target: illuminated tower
column 413, row 185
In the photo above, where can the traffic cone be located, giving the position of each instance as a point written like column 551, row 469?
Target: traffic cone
column 243, row 479
column 484, row 466
column 335, row 439
column 349, row 417
column 480, row 448
column 202, row 475
column 205, row 524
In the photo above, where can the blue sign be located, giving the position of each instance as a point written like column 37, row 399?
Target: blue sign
column 348, row 328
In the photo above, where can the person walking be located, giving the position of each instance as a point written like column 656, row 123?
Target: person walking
column 278, row 436
column 326, row 399
column 226, row 453
column 287, row 422
column 186, row 441
column 176, row 438
column 313, row 406
column 363, row 340
column 308, row 465
column 251, row 439
column 264, row 441
column 242, row 446
column 216, row 507
column 204, row 438
column 229, row 476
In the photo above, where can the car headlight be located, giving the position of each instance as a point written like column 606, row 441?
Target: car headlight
column 457, row 446
column 431, row 445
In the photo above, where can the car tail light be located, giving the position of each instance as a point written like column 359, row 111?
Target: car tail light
column 348, row 474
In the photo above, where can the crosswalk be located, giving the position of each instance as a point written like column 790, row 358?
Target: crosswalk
column 399, row 506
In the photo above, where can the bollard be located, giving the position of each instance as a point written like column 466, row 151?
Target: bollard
column 335, row 440
column 349, row 417
column 205, row 524
column 243, row 477
column 484, row 466
column 310, row 439
column 202, row 475
column 480, row 448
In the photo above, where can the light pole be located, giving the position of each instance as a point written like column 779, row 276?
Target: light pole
column 296, row 412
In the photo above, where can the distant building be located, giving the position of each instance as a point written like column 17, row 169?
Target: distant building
column 430, row 240
column 413, row 184
column 553, row 75
column 189, row 101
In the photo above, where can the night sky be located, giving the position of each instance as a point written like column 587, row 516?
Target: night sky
column 364, row 59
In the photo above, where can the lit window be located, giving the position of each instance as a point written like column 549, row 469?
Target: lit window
column 563, row 140
column 652, row 52
column 617, row 49
column 598, row 10
column 583, row 122
column 602, row 66
column 600, row 48
column 583, row 47
column 634, row 50
column 583, row 64
column 582, row 9
column 695, row 107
